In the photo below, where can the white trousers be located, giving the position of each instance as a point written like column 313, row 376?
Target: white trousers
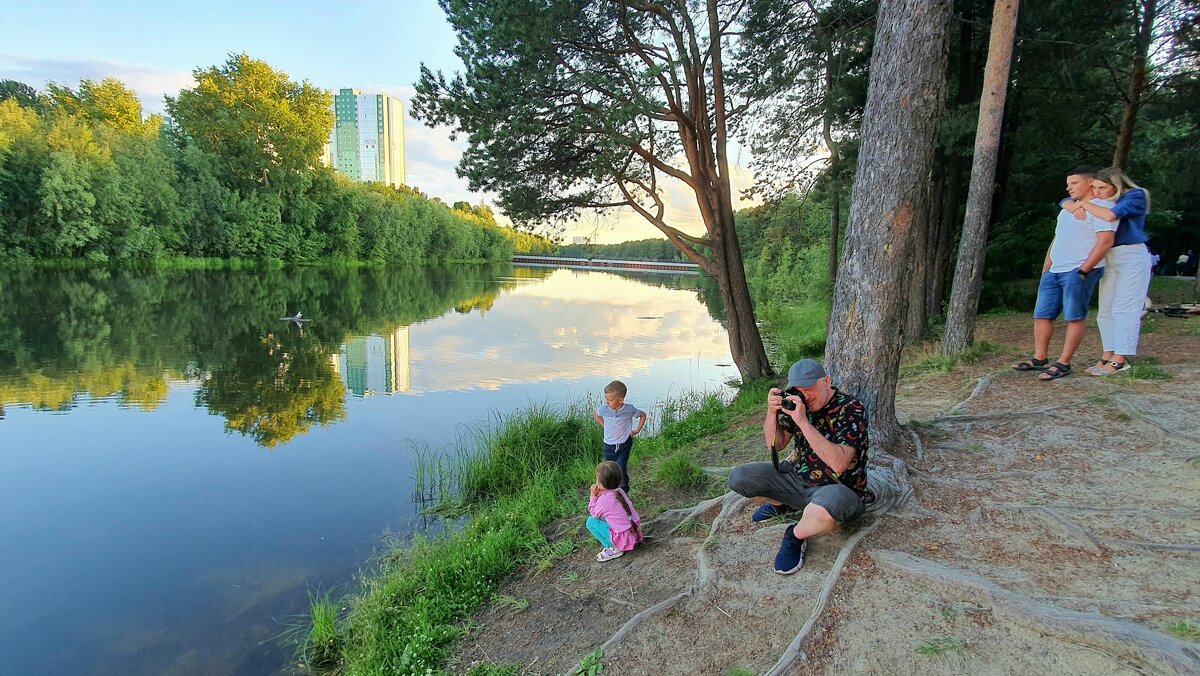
column 1123, row 297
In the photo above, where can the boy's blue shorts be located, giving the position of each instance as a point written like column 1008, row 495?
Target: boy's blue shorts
column 1065, row 292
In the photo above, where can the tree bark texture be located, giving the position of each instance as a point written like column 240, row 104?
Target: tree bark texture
column 835, row 168
column 1137, row 82
column 900, row 121
column 918, row 270
column 835, row 226
column 968, row 273
column 934, row 250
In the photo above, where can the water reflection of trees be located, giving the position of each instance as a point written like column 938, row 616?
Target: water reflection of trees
column 125, row 333
column 275, row 387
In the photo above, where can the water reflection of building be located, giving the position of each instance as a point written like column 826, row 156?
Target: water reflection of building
column 372, row 364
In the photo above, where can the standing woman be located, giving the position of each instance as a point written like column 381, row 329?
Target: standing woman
column 1127, row 267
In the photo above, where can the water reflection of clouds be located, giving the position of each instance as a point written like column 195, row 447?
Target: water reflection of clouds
column 577, row 324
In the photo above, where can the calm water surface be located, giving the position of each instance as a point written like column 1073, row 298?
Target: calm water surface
column 178, row 466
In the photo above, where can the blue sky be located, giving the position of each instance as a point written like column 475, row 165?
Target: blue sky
column 154, row 46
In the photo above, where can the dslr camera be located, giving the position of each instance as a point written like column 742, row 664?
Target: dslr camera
column 783, row 419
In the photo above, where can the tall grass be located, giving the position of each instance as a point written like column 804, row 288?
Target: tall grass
column 931, row 360
column 514, row 476
column 320, row 646
column 794, row 331
column 678, row 470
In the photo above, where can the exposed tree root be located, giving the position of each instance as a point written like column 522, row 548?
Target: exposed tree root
column 993, row 416
column 1008, row 415
column 1165, row 546
column 1123, row 607
column 793, row 650
column 706, row 573
column 1132, row 410
column 979, row 388
column 1064, row 507
column 1090, row 541
column 1125, row 641
column 1012, row 474
column 920, row 448
column 686, row 513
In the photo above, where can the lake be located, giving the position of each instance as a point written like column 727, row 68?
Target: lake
column 179, row 466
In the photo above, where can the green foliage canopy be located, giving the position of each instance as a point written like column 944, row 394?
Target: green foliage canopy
column 264, row 126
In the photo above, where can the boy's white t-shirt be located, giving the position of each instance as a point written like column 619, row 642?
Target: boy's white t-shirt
column 1074, row 239
column 619, row 423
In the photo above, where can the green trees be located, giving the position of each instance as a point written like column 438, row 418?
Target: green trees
column 572, row 105
column 266, row 128
column 235, row 175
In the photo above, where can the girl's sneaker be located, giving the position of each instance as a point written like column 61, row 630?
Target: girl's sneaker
column 608, row 554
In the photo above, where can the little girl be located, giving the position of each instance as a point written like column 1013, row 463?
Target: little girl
column 613, row 520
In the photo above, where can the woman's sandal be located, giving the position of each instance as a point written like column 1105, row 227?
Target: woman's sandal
column 1055, row 371
column 1101, row 369
column 1032, row 364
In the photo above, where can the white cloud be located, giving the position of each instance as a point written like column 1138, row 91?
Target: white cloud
column 150, row 84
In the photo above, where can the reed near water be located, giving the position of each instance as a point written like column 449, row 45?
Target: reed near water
column 505, row 483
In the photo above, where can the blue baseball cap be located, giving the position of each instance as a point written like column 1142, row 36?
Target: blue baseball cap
column 804, row 373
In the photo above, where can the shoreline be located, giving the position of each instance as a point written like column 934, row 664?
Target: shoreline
column 671, row 462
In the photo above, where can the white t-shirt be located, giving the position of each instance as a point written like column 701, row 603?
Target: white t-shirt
column 617, row 424
column 1074, row 239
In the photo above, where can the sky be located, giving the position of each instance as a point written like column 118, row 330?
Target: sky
column 154, row 46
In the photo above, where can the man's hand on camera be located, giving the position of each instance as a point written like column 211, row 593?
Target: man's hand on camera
column 774, row 401
column 799, row 412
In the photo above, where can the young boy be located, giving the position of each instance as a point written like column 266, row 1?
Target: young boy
column 616, row 417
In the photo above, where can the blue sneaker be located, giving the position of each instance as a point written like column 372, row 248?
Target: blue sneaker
column 766, row 511
column 791, row 554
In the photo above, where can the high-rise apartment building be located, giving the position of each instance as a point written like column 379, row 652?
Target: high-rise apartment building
column 367, row 141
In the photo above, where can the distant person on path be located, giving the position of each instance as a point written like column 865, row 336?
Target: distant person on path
column 1127, row 278
column 613, row 521
column 1181, row 264
column 616, row 417
column 1154, row 260
column 1192, row 260
column 824, row 476
column 1074, row 263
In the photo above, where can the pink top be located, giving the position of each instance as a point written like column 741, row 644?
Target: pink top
column 608, row 507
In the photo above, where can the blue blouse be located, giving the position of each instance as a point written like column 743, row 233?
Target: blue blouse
column 1131, row 209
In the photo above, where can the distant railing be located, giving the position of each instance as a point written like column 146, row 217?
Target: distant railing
column 606, row 264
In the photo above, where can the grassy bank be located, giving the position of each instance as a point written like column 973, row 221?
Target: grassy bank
column 508, row 483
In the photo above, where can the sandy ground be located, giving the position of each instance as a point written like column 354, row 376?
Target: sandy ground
column 1053, row 528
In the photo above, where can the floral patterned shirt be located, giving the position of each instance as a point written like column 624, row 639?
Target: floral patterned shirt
column 843, row 421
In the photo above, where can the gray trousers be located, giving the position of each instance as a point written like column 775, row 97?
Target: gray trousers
column 760, row 480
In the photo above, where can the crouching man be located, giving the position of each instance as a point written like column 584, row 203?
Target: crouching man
column 824, row 477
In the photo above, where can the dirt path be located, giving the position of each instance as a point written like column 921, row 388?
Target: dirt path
column 1053, row 528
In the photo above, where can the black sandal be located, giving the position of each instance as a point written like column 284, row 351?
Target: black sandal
column 1032, row 364
column 1055, row 371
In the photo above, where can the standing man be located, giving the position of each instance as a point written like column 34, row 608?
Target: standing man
column 1074, row 264
column 825, row 474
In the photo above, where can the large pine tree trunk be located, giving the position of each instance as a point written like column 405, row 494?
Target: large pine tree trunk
column 904, row 100
column 1137, row 82
column 968, row 273
column 745, row 342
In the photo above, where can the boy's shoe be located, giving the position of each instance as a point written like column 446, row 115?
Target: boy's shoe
column 608, row 554
column 766, row 511
column 791, row 554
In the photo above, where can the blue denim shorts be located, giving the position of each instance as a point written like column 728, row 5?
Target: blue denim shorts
column 1066, row 293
